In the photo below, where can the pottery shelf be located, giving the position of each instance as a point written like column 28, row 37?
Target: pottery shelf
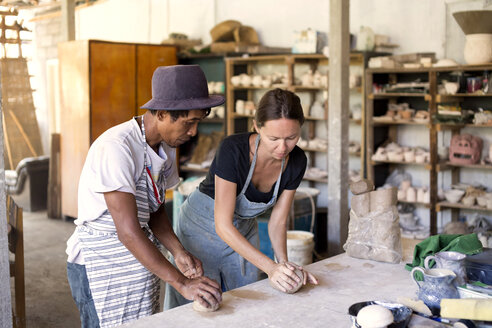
column 384, row 95
column 307, row 149
column 427, row 166
column 470, row 166
column 456, row 126
column 445, row 205
column 381, row 132
column 427, row 205
column 293, row 66
column 398, row 122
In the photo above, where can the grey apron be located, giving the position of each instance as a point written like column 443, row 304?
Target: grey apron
column 122, row 288
column 196, row 231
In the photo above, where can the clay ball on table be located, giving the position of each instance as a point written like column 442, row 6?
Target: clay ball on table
column 374, row 316
column 300, row 274
column 200, row 308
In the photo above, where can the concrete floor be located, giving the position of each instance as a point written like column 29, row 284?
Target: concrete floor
column 49, row 302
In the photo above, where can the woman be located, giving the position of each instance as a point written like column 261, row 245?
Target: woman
column 251, row 173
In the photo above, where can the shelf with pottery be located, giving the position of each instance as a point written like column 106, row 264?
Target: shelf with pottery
column 384, row 95
column 427, row 205
column 444, row 205
column 407, row 106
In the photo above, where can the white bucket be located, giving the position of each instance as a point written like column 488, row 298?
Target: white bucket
column 300, row 245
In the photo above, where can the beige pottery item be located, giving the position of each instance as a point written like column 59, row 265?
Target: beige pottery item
column 468, row 201
column 240, row 106
column 420, row 158
column 454, row 195
column 409, row 156
column 478, row 49
column 405, row 184
column 411, row 195
column 402, row 194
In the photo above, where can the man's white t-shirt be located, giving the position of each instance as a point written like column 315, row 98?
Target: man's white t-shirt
column 115, row 162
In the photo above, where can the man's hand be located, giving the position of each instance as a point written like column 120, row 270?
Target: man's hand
column 202, row 289
column 190, row 266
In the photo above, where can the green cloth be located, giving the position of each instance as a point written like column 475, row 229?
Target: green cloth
column 466, row 244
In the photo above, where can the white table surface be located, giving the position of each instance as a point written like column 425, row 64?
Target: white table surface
column 343, row 281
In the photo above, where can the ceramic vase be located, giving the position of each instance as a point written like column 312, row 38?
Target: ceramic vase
column 478, row 48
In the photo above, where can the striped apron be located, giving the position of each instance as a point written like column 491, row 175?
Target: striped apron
column 122, row 288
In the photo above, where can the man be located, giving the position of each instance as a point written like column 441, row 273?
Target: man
column 114, row 264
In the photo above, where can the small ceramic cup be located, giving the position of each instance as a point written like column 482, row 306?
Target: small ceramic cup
column 240, row 106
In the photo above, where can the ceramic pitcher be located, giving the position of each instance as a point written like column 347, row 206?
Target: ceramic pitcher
column 437, row 284
column 453, row 261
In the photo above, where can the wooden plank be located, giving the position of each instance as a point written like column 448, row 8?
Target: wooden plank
column 67, row 20
column 433, row 149
column 54, row 179
column 5, row 296
column 74, row 119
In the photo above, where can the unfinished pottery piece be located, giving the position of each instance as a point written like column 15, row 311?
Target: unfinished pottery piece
column 300, row 274
column 411, row 195
column 454, row 195
column 468, row 201
column 401, row 195
column 409, row 156
column 478, row 48
column 374, row 316
column 200, row 308
column 465, row 149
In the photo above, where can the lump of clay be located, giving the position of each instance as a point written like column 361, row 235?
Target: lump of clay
column 200, row 308
column 374, row 316
column 300, row 274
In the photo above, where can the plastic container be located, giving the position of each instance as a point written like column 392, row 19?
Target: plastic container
column 300, row 245
column 479, row 267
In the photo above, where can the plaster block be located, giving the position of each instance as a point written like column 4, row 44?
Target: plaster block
column 382, row 199
column 361, row 186
column 361, row 204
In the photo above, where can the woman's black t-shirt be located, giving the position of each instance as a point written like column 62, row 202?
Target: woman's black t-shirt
column 231, row 163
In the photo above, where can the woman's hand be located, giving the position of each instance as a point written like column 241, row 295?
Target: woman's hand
column 202, row 289
column 283, row 276
column 190, row 266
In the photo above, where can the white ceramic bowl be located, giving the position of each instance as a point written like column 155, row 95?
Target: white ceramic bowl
column 454, row 195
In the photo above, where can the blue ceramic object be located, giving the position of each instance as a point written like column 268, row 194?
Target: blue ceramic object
column 437, row 284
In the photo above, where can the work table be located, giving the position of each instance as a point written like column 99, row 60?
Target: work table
column 343, row 281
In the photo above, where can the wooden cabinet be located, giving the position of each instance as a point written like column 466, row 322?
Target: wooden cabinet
column 102, row 84
column 432, row 135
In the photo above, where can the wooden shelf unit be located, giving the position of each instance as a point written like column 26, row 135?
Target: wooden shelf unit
column 433, row 75
column 287, row 64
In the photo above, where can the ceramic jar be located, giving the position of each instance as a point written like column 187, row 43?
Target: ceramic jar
column 450, row 260
column 240, row 106
column 478, row 48
column 411, row 195
column 409, row 155
column 437, row 284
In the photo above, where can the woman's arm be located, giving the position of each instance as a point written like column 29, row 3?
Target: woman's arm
column 277, row 225
column 123, row 209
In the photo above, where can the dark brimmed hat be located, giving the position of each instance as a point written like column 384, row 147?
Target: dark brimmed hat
column 181, row 87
